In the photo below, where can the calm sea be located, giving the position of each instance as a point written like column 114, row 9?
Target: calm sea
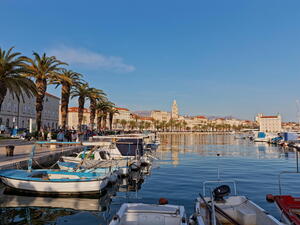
column 185, row 161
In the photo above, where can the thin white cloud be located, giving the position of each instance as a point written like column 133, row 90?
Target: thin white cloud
column 93, row 60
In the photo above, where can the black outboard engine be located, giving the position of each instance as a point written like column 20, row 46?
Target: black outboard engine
column 220, row 192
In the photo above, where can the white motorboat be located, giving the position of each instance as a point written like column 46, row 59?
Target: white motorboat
column 149, row 214
column 219, row 208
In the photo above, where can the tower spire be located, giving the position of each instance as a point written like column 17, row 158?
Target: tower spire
column 174, row 110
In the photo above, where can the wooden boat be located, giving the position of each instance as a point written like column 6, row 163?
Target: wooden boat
column 149, row 214
column 54, row 182
column 219, row 208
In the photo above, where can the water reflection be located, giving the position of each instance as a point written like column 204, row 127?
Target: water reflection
column 212, row 145
column 186, row 160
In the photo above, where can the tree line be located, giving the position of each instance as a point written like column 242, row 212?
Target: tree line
column 24, row 76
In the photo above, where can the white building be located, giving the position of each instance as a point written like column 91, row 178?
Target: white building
column 123, row 114
column 72, row 119
column 18, row 114
column 160, row 115
column 269, row 123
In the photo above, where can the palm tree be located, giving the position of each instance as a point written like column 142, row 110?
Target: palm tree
column 156, row 124
column 141, row 125
column 103, row 108
column 111, row 113
column 123, row 123
column 95, row 96
column 132, row 124
column 148, row 125
column 67, row 80
column 82, row 92
column 11, row 68
column 43, row 69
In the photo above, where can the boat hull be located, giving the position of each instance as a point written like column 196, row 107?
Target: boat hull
column 63, row 188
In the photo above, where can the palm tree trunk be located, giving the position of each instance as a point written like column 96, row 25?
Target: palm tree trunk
column 93, row 112
column 65, row 96
column 80, row 111
column 99, row 121
column 111, row 117
column 104, row 121
column 3, row 91
column 41, row 85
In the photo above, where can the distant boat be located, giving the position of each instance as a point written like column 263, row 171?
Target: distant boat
column 264, row 137
column 146, row 214
column 217, row 208
column 54, row 182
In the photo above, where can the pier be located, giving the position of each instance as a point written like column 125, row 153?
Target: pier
column 44, row 155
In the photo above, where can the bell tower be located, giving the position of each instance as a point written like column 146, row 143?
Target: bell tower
column 174, row 110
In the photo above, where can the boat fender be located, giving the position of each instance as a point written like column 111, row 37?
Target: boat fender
column 163, row 201
column 270, row 198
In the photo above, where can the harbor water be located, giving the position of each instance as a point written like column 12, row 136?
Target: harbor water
column 185, row 161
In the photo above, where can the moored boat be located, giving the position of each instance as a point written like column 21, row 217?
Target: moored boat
column 146, row 214
column 220, row 208
column 54, row 182
column 289, row 207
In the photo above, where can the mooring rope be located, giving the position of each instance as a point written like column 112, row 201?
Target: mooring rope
column 44, row 167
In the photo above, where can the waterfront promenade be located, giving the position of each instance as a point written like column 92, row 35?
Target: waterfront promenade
column 43, row 154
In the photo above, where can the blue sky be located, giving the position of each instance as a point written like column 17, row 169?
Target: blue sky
column 226, row 57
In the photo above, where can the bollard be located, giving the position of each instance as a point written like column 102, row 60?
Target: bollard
column 10, row 150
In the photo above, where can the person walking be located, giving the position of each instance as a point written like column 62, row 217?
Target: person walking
column 74, row 136
column 60, row 136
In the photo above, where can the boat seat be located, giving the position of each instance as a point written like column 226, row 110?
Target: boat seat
column 150, row 219
column 153, row 209
column 246, row 216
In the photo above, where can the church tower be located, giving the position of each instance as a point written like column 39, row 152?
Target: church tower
column 174, row 110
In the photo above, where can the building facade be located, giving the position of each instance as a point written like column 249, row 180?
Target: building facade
column 160, row 115
column 72, row 119
column 20, row 114
column 269, row 123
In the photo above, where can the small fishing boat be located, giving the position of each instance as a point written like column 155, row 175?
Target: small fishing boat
column 149, row 214
column 220, row 208
column 54, row 181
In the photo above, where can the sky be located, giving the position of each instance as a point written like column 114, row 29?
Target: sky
column 215, row 57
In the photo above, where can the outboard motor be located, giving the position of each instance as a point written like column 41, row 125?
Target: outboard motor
column 220, row 192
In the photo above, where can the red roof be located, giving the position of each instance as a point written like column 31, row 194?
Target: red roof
column 270, row 117
column 75, row 109
column 201, row 117
column 124, row 109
